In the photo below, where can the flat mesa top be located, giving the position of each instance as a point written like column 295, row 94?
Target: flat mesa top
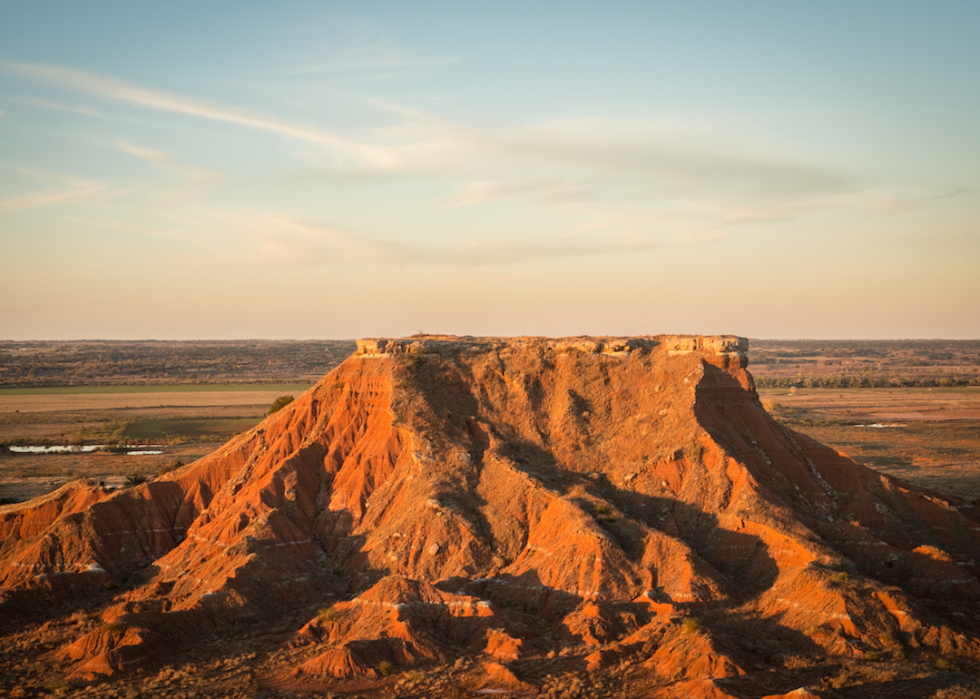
column 443, row 344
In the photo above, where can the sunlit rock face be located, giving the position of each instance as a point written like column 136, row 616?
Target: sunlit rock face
column 527, row 504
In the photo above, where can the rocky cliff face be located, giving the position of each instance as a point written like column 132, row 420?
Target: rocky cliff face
column 517, row 510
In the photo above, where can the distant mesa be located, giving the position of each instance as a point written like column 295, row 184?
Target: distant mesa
column 509, row 514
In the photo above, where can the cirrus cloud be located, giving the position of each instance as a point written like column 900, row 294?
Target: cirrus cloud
column 114, row 88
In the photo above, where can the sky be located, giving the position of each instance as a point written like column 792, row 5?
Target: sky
column 302, row 170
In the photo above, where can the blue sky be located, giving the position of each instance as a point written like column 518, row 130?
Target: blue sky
column 333, row 170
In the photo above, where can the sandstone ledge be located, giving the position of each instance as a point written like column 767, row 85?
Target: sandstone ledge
column 717, row 345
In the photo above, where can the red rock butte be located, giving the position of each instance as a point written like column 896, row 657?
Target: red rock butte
column 521, row 508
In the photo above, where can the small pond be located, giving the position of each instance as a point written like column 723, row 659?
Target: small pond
column 89, row 448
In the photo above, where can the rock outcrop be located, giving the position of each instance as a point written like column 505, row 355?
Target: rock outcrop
column 533, row 505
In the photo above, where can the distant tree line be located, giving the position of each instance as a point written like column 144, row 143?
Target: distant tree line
column 842, row 381
column 29, row 364
column 892, row 349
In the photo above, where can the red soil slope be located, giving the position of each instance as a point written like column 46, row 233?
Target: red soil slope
column 571, row 504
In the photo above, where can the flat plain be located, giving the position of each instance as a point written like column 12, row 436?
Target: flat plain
column 907, row 408
column 183, row 398
column 928, row 437
column 184, row 422
column 16, row 400
column 183, row 425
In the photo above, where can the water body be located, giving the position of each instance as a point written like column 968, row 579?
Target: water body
column 86, row 449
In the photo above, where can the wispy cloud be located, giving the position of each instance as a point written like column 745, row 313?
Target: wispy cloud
column 537, row 164
column 47, row 198
column 656, row 165
column 900, row 201
column 193, row 178
column 287, row 240
column 627, row 185
column 114, row 88
column 47, row 104
column 564, row 161
column 374, row 57
column 70, row 188
column 548, row 190
column 546, row 162
column 674, row 158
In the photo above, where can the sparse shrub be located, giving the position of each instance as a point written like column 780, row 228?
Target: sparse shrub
column 694, row 452
column 109, row 585
column 955, row 692
column 842, row 576
column 610, row 519
column 57, row 687
column 339, row 386
column 168, row 467
column 796, row 661
column 280, row 403
column 600, row 509
column 415, row 676
column 385, row 668
column 816, row 631
column 945, row 665
column 691, row 624
column 843, row 679
column 327, row 613
column 875, row 674
column 78, row 618
column 871, row 656
column 769, row 405
column 135, row 478
column 115, row 628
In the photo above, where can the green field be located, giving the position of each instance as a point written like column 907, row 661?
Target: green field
column 161, row 388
